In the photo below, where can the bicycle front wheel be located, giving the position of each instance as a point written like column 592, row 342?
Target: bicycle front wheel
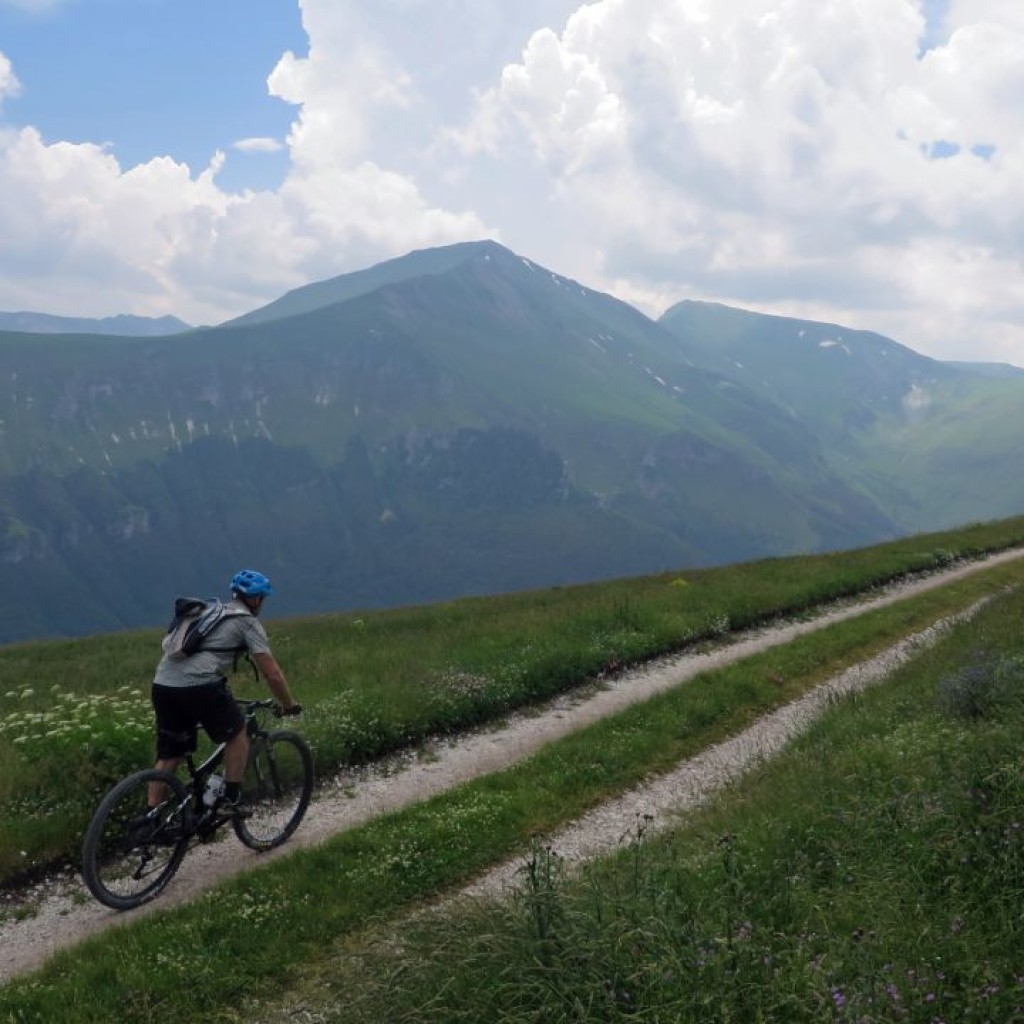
column 276, row 789
column 131, row 851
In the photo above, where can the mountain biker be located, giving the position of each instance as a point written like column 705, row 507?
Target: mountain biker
column 193, row 691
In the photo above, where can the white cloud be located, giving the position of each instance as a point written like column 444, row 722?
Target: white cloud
column 803, row 157
column 259, row 144
column 9, row 84
column 784, row 155
column 166, row 240
column 1004, row 13
column 561, row 101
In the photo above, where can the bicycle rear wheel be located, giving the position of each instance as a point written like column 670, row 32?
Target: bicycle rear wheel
column 276, row 789
column 130, row 851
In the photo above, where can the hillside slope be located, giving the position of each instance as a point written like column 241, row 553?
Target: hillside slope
column 64, row 918
column 933, row 443
column 459, row 421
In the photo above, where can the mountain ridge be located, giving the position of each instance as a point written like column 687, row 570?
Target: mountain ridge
column 123, row 324
column 456, row 421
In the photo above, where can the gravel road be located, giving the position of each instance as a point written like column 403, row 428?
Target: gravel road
column 65, row 913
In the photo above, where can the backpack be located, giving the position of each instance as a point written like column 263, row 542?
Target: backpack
column 193, row 623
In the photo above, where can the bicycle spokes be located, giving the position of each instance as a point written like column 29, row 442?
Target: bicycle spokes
column 131, row 851
column 276, row 789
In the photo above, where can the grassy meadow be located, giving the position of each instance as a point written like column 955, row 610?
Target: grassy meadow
column 873, row 872
column 76, row 714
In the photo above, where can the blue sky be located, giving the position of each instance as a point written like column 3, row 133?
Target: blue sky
column 157, row 77
column 857, row 161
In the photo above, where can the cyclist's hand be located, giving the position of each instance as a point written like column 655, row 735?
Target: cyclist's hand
column 295, row 709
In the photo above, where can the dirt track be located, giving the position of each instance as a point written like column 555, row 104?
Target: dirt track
column 66, row 914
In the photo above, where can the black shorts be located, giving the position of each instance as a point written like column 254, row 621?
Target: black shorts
column 181, row 710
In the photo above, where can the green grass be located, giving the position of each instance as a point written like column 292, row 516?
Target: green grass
column 872, row 873
column 76, row 714
column 297, row 922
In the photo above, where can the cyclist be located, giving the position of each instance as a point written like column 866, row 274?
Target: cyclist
column 191, row 692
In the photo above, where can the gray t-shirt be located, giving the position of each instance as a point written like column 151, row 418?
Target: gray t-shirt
column 238, row 631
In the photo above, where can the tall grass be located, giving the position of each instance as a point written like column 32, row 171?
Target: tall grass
column 76, row 712
column 873, row 873
column 298, row 922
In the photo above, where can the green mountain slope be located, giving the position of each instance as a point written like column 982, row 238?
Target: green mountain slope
column 420, row 263
column 934, row 444
column 833, row 379
column 456, row 421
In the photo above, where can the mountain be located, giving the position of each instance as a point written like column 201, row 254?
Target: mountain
column 934, row 443
column 457, row 421
column 123, row 324
column 988, row 369
column 836, row 380
column 420, row 263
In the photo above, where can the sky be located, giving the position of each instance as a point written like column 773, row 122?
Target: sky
column 854, row 161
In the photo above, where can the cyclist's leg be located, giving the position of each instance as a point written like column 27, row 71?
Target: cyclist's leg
column 157, row 791
column 235, row 754
column 176, row 734
column 224, row 722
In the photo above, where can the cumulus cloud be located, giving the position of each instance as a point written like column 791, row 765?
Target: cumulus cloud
column 9, row 84
column 260, row 144
column 781, row 155
column 560, row 99
column 857, row 162
column 165, row 239
column 76, row 225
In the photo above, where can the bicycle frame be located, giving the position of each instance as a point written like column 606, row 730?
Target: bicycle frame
column 199, row 816
column 132, row 848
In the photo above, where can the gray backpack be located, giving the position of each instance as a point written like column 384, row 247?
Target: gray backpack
column 195, row 620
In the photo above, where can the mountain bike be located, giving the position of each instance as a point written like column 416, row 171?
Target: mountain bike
column 131, row 851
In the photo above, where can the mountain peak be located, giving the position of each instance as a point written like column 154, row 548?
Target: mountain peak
column 418, row 263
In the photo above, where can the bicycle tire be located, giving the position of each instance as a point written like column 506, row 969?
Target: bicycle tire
column 129, row 854
column 276, row 789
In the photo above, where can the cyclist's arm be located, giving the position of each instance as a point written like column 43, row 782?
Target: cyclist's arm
column 271, row 672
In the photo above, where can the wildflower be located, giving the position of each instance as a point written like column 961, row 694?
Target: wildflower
column 838, row 997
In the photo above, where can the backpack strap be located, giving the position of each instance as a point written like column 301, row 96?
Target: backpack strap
column 238, row 651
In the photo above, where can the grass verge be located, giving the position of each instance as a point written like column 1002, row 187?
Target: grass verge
column 266, row 929
column 872, row 873
column 76, row 713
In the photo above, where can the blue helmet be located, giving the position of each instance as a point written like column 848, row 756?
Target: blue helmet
column 250, row 583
